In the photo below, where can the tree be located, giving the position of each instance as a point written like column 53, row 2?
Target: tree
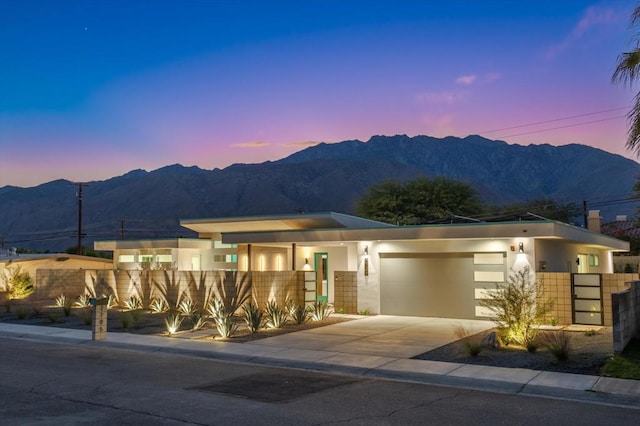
column 628, row 72
column 419, row 201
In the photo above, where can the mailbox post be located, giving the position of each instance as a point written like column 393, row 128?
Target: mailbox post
column 99, row 318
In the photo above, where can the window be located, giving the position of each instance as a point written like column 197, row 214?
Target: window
column 225, row 258
column 146, row 258
column 594, row 260
column 164, row 258
column 126, row 258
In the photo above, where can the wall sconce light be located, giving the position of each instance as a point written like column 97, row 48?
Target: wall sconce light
column 520, row 247
column 366, row 250
column 306, row 261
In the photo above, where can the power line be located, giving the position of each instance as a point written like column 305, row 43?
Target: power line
column 555, row 119
column 564, row 127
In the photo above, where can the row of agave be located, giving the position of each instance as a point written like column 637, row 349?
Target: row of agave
column 255, row 318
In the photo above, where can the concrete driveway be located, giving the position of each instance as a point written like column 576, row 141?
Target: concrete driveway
column 380, row 335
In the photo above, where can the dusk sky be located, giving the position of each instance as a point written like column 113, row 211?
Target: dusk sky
column 93, row 89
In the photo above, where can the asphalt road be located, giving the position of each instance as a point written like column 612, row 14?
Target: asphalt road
column 46, row 383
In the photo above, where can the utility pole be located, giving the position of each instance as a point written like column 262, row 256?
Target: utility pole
column 122, row 229
column 79, row 195
column 585, row 213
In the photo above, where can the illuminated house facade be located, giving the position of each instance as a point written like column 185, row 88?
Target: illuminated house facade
column 429, row 270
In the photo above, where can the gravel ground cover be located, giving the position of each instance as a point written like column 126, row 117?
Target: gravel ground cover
column 588, row 353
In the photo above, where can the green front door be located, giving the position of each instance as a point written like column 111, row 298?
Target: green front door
column 321, row 265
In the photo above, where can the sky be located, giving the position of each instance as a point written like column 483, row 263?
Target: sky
column 93, row 89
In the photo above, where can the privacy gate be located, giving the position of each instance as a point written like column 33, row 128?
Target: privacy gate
column 586, row 303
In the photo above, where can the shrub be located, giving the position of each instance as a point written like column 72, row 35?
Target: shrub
column 125, row 319
column 23, row 312
column 53, row 317
column 20, row 284
column 87, row 317
column 61, row 300
column 67, row 310
column 320, row 310
column 519, row 305
column 276, row 316
column 253, row 316
column 472, row 344
column 558, row 343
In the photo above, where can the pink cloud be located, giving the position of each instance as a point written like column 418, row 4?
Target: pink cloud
column 256, row 144
column 466, row 79
column 440, row 97
column 593, row 17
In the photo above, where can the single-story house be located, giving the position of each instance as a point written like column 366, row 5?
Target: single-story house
column 440, row 270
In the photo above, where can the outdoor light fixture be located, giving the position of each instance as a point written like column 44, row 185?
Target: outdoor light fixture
column 366, row 250
column 520, row 247
column 306, row 260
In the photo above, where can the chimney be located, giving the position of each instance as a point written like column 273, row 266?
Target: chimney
column 594, row 220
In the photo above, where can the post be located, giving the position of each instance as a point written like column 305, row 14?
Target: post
column 99, row 318
column 293, row 256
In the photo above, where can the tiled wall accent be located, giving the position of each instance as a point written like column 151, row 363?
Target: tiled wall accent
column 51, row 283
column 626, row 316
column 346, row 292
column 557, row 286
column 279, row 286
column 173, row 286
column 613, row 283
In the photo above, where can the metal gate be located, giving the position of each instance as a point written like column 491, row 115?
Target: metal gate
column 586, row 303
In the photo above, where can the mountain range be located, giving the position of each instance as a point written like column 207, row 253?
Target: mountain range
column 325, row 177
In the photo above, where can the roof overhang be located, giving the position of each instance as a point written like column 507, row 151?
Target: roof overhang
column 506, row 230
column 215, row 227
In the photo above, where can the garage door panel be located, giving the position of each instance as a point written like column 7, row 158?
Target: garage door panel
column 441, row 286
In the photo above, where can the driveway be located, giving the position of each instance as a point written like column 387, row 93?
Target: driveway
column 380, row 335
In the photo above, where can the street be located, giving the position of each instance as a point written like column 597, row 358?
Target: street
column 65, row 384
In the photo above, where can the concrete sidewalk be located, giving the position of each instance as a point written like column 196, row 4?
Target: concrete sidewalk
column 357, row 347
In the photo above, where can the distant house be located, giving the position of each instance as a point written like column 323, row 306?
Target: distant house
column 430, row 270
column 31, row 263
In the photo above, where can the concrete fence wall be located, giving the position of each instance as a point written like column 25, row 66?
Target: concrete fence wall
column 626, row 316
column 200, row 287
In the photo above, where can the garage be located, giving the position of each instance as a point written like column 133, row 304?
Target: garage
column 428, row 284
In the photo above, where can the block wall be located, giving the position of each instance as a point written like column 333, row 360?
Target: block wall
column 626, row 316
column 346, row 292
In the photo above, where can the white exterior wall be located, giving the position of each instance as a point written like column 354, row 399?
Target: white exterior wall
column 369, row 286
column 560, row 256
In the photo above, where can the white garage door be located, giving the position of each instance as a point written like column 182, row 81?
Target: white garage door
column 426, row 284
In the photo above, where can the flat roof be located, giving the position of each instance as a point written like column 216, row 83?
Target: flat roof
column 286, row 222
column 152, row 244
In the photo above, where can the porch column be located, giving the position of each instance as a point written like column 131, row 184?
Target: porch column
column 293, row 256
column 248, row 257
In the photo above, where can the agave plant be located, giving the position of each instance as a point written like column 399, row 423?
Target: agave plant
column 216, row 308
column 173, row 322
column 225, row 325
column 83, row 301
column 276, row 315
column 158, row 306
column 61, row 300
column 133, row 303
column 252, row 315
column 300, row 314
column 187, row 307
column 198, row 321
column 320, row 310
